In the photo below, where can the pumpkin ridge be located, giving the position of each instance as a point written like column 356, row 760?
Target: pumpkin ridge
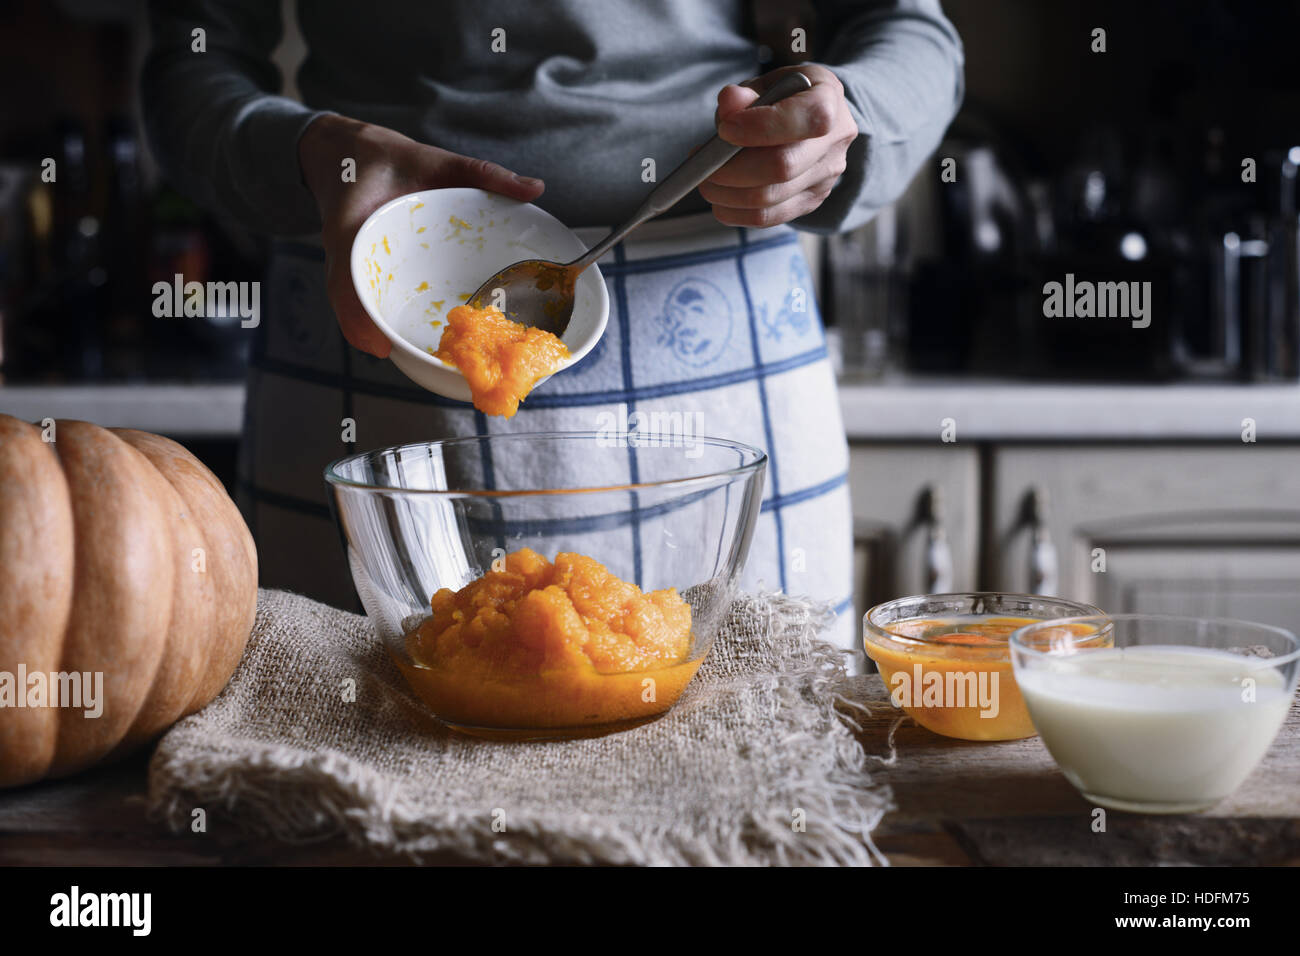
column 132, row 614
column 194, row 602
column 232, row 556
column 34, row 503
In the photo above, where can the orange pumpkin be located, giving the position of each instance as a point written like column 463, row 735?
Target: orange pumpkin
column 120, row 554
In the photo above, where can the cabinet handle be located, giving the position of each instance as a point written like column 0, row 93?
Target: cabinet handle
column 1043, row 564
column 937, row 572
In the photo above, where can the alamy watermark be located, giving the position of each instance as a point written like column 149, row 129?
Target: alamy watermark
column 1085, row 299
column 942, row 689
column 212, row 300
column 657, row 429
column 62, row 689
column 75, row 908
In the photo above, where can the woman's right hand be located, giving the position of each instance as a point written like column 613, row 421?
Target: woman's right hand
column 388, row 165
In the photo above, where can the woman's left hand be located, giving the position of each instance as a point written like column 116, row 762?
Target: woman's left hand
column 795, row 150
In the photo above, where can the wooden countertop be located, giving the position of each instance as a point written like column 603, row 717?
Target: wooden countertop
column 897, row 407
column 200, row 409
column 959, row 803
column 914, row 408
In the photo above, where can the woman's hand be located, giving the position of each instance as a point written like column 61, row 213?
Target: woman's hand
column 794, row 152
column 388, row 165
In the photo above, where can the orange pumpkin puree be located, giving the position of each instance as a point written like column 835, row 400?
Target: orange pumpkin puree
column 501, row 359
column 955, row 648
column 540, row 645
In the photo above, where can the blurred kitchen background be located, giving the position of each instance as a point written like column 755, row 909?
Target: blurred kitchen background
column 991, row 447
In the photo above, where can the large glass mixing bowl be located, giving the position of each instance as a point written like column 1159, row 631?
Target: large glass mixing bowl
column 658, row 512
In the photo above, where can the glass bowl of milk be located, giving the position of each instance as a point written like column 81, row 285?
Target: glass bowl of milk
column 1169, row 715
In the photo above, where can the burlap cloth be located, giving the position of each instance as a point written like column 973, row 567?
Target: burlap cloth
column 752, row 767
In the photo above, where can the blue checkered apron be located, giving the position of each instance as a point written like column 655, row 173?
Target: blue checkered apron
column 705, row 320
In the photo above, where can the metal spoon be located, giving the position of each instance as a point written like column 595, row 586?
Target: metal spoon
column 538, row 292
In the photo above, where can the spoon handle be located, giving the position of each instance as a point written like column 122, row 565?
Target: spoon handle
column 699, row 166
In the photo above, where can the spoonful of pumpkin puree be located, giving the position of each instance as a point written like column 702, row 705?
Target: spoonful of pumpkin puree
column 501, row 359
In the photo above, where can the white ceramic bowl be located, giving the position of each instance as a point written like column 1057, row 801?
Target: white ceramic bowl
column 420, row 255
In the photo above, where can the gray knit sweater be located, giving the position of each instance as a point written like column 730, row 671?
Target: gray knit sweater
column 583, row 92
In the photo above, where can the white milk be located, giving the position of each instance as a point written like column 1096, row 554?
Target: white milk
column 1155, row 727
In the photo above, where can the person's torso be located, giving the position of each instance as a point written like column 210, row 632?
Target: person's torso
column 581, row 93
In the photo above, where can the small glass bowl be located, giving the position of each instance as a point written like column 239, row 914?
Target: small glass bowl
column 426, row 516
column 1169, row 716
column 957, row 684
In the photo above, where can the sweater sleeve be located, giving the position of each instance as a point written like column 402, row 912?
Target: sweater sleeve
column 901, row 66
column 217, row 129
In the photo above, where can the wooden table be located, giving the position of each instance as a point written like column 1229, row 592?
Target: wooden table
column 959, row 803
column 1007, row 804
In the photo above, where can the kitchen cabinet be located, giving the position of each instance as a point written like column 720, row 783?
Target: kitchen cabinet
column 1046, row 478
column 1206, row 529
column 1202, row 528
column 916, row 519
